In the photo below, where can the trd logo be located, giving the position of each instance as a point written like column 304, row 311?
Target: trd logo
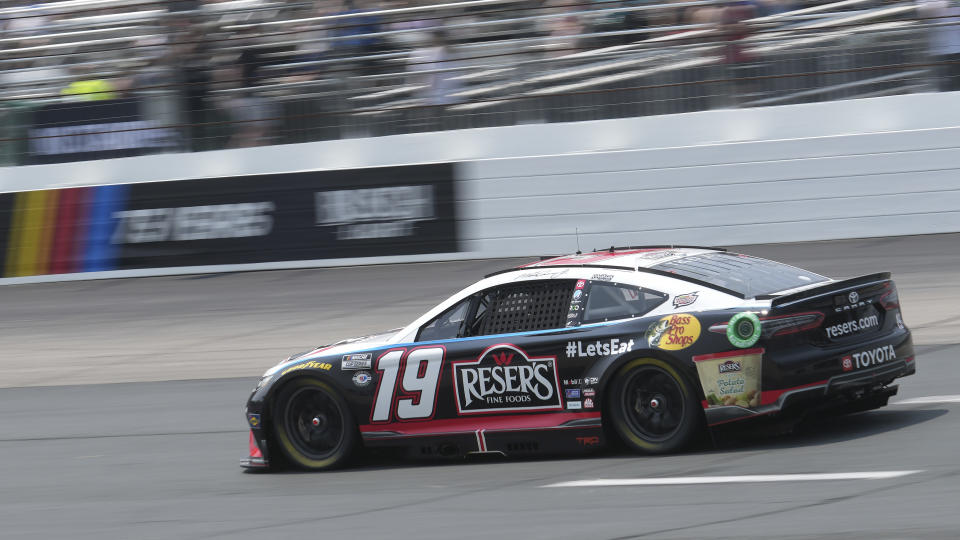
column 588, row 441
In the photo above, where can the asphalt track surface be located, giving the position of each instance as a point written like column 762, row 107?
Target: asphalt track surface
column 160, row 459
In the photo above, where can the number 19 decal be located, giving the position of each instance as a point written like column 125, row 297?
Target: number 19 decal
column 412, row 396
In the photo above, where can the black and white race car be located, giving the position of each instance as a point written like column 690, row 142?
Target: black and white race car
column 649, row 345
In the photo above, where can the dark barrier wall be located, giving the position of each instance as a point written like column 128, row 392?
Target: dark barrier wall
column 234, row 220
column 85, row 130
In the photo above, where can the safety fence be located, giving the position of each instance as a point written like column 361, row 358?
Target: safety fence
column 82, row 84
column 864, row 168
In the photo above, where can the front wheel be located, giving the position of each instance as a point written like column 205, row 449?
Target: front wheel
column 653, row 408
column 313, row 425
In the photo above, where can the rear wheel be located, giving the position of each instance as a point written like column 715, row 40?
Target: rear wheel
column 313, row 426
column 653, row 408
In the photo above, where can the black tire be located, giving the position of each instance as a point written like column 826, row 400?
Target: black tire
column 652, row 407
column 313, row 425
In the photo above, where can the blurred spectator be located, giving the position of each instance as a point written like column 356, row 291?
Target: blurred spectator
column 704, row 16
column 252, row 115
column 616, row 21
column 565, row 31
column 312, row 41
column 182, row 5
column 943, row 33
column 227, row 12
column 773, row 7
column 90, row 90
column 355, row 27
column 87, row 86
column 665, row 20
column 634, row 20
column 733, row 30
column 191, row 55
column 24, row 72
column 432, row 61
column 26, row 24
column 414, row 29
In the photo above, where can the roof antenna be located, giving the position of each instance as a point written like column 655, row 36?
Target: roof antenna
column 577, row 229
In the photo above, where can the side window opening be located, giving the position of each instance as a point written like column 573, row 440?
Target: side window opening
column 524, row 307
column 447, row 325
column 480, row 312
column 611, row 301
column 515, row 307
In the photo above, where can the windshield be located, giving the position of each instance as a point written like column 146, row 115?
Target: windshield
column 746, row 275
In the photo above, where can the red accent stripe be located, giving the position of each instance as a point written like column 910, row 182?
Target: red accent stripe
column 254, row 449
column 767, row 397
column 82, row 225
column 61, row 253
column 796, row 329
column 771, row 396
column 743, row 418
column 592, row 257
column 728, row 354
column 488, row 423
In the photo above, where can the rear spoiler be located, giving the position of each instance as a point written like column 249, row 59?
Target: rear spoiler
column 827, row 289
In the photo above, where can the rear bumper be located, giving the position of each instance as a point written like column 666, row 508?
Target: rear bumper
column 861, row 390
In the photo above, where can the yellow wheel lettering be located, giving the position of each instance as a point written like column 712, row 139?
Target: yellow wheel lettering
column 291, row 450
column 622, row 427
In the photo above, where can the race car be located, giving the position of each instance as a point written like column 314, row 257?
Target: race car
column 649, row 345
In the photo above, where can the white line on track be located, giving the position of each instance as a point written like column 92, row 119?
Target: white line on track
column 928, row 400
column 693, row 480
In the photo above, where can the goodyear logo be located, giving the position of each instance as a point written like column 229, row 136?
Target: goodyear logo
column 674, row 332
column 308, row 365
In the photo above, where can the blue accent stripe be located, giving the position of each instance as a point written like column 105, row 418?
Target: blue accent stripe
column 100, row 253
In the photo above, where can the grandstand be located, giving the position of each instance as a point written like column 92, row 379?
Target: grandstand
column 199, row 75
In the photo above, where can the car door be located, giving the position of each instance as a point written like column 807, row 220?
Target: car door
column 513, row 348
column 500, row 354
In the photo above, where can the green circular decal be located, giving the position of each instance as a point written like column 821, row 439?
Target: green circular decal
column 744, row 329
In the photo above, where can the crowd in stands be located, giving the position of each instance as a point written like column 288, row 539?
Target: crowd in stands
column 233, row 72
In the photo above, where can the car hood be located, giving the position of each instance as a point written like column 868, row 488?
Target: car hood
column 344, row 346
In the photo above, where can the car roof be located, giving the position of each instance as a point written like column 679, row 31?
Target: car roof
column 630, row 258
column 735, row 274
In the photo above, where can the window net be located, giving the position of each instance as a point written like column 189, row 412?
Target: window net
column 527, row 306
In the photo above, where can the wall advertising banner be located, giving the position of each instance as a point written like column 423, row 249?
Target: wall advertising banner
column 231, row 220
column 74, row 131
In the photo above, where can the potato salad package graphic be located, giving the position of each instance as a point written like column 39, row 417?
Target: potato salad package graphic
column 731, row 378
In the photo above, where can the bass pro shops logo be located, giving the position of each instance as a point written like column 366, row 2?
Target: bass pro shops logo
column 674, row 332
column 504, row 378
